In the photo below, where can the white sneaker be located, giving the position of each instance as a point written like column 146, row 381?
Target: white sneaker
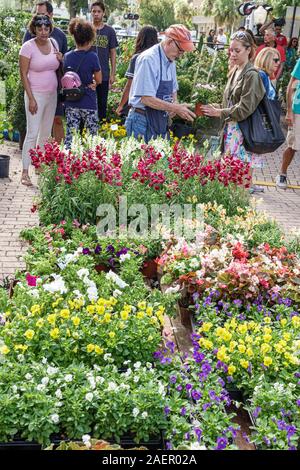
column 281, row 181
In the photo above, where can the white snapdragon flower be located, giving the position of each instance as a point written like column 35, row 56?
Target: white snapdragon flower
column 28, row 376
column 68, row 378
column 144, row 415
column 136, row 378
column 54, row 418
column 58, row 394
column 14, row 388
column 45, row 381
column 135, row 412
column 100, row 380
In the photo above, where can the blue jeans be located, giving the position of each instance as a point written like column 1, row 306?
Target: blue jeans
column 136, row 125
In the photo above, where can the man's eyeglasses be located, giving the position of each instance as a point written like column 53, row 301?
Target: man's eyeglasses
column 178, row 47
column 276, row 60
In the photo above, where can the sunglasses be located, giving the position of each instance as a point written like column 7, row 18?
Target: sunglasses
column 276, row 60
column 239, row 35
column 178, row 47
column 43, row 22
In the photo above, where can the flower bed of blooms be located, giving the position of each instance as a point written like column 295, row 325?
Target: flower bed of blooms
column 96, row 171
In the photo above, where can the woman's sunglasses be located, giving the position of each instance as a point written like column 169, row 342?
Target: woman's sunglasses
column 276, row 60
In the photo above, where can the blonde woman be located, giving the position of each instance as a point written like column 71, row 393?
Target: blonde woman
column 267, row 62
column 243, row 93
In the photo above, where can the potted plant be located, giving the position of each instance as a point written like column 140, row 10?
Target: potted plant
column 16, row 113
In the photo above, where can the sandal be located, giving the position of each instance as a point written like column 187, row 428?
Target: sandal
column 26, row 180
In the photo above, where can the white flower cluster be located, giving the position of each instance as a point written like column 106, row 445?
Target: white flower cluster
column 116, row 279
column 58, row 285
column 92, row 291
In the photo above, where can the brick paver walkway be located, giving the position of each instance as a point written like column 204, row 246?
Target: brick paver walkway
column 15, row 203
column 283, row 205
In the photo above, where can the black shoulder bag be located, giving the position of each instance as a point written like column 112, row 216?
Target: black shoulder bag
column 59, row 72
column 261, row 130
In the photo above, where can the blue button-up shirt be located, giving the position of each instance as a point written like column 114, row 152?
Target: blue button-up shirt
column 147, row 75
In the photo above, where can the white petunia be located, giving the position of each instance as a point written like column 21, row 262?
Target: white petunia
column 58, row 285
column 116, row 279
column 89, row 396
column 92, row 293
column 68, row 378
column 137, row 365
column 144, row 415
column 21, row 357
column 45, row 381
column 58, row 394
column 28, row 376
column 40, row 387
column 54, row 418
column 82, row 273
column 52, row 370
column 124, row 257
column 136, row 378
column 112, row 386
column 117, row 293
column 135, row 412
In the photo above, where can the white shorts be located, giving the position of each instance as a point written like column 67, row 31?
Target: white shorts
column 293, row 135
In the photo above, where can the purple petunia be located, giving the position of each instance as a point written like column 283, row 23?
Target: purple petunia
column 212, row 394
column 206, row 406
column 196, row 395
column 298, row 402
column 221, row 443
column 167, row 410
column 188, row 387
column 86, row 251
column 183, row 411
column 179, row 388
column 98, row 250
column 110, row 249
column 173, row 379
column 198, row 433
column 281, row 425
column 256, row 411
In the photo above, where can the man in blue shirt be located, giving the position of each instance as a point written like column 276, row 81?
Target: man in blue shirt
column 46, row 8
column 153, row 94
column 105, row 47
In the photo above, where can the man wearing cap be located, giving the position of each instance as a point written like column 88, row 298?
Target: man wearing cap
column 153, row 94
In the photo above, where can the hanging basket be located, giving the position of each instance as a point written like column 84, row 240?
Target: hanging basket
column 4, row 166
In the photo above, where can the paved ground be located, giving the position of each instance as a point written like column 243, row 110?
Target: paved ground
column 283, row 205
column 16, row 201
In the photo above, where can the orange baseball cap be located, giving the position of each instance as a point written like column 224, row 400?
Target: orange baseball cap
column 181, row 34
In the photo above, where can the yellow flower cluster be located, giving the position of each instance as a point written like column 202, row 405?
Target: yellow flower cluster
column 239, row 344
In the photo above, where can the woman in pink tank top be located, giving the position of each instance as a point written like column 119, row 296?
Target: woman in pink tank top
column 39, row 59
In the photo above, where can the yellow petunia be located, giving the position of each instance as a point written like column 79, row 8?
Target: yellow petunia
column 142, row 305
column 90, row 348
column 111, row 334
column 296, row 321
column 286, row 336
column 267, row 330
column 51, row 318
column 244, row 364
column 206, row 326
column 107, row 318
column 54, row 333
column 35, row 309
column 39, row 323
column 140, row 315
column 99, row 350
column 29, row 334
column 149, row 311
column 242, row 348
column 268, row 361
column 124, row 315
column 243, row 329
column 267, row 320
column 100, row 309
column 4, row 349
column 283, row 321
column 231, row 369
column 65, row 313
column 91, row 309
column 232, row 346
column 249, row 352
column 76, row 321
column 267, row 338
column 265, row 348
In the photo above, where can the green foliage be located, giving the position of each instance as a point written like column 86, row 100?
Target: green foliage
column 159, row 13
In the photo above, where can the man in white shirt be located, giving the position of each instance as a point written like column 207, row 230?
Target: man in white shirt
column 221, row 40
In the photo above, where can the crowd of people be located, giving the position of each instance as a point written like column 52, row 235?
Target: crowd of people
column 150, row 95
